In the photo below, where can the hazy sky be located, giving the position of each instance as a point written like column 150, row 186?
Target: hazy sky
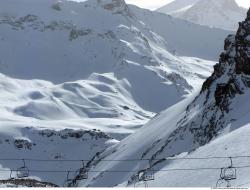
column 153, row 4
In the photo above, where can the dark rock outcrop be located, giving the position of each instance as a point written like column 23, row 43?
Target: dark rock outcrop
column 26, row 183
column 22, row 144
column 116, row 7
column 231, row 77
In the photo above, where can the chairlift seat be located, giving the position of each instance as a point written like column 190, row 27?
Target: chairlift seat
column 11, row 177
column 83, row 170
column 23, row 172
column 229, row 173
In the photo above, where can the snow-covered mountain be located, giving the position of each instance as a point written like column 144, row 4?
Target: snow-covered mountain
column 128, row 47
column 177, row 6
column 79, row 77
column 189, row 143
column 110, row 53
column 184, row 38
column 214, row 13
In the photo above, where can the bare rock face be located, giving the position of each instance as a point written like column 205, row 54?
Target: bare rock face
column 231, row 77
column 234, row 66
column 242, row 43
column 116, row 6
column 112, row 5
column 26, row 183
column 23, row 144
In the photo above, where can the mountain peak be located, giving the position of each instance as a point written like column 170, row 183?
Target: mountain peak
column 223, row 2
column 112, row 4
column 229, row 5
column 116, row 6
column 223, row 14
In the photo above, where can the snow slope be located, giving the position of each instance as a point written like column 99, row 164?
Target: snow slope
column 215, row 123
column 234, row 143
column 223, row 14
column 83, row 104
column 182, row 37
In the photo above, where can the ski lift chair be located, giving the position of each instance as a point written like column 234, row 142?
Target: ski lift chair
column 134, row 179
column 146, row 175
column 11, row 175
column 82, row 173
column 23, row 171
column 228, row 173
column 69, row 182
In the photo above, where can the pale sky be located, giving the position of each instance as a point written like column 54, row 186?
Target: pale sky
column 154, row 4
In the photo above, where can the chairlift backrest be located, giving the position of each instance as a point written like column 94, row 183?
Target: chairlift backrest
column 229, row 173
column 11, row 174
column 82, row 175
column 23, row 171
